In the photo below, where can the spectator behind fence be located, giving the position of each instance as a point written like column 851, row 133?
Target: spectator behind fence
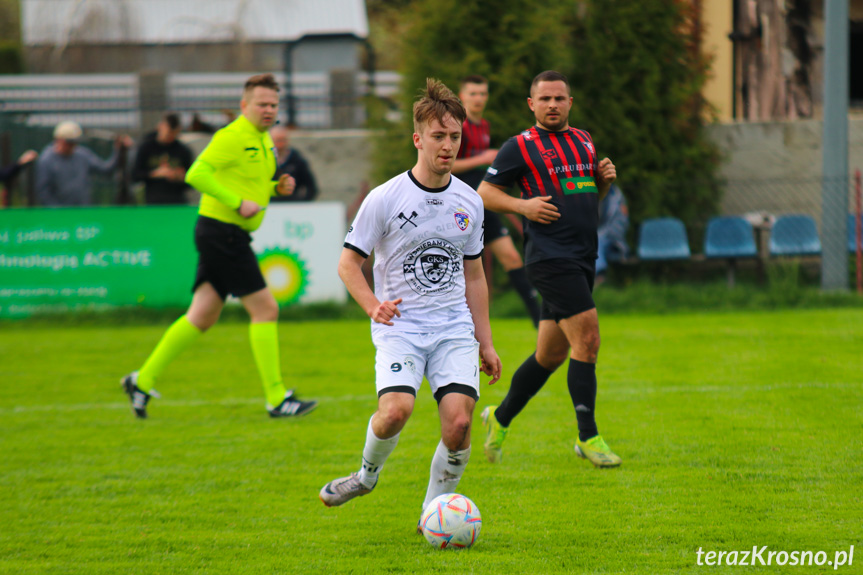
column 291, row 162
column 613, row 223
column 64, row 167
column 161, row 163
column 9, row 172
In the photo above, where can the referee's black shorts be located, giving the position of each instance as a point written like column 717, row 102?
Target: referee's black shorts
column 226, row 259
column 493, row 227
column 566, row 286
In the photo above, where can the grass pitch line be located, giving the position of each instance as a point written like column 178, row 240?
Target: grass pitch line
column 162, row 403
column 612, row 392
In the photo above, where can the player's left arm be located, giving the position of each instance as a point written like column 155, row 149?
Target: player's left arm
column 605, row 175
column 476, row 294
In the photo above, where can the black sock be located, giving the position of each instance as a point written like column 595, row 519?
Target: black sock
column 526, row 382
column 581, row 379
column 518, row 280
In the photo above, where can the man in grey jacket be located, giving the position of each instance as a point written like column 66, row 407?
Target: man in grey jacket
column 64, row 167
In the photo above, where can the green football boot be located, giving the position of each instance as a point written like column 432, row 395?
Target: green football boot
column 596, row 451
column 494, row 436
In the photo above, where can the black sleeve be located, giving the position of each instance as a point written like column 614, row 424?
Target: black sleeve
column 508, row 166
column 306, row 179
column 140, row 173
column 10, row 172
column 187, row 157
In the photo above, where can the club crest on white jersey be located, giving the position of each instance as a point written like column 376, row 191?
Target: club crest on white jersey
column 462, row 219
column 420, row 238
column 429, row 268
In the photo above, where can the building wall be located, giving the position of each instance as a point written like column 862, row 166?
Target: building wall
column 340, row 159
column 313, row 55
column 718, row 19
column 317, row 54
column 776, row 166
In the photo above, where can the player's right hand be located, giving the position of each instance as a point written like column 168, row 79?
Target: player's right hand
column 385, row 312
column 248, row 208
column 490, row 364
column 540, row 209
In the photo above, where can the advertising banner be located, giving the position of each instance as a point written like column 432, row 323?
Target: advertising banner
column 299, row 245
column 66, row 259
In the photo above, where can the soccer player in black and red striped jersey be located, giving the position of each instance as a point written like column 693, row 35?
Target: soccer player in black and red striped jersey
column 474, row 156
column 561, row 181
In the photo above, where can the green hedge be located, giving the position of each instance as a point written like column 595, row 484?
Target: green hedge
column 635, row 72
column 11, row 58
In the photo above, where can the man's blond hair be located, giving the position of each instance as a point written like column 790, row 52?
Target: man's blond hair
column 437, row 102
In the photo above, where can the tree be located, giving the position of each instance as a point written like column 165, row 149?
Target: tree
column 638, row 91
column 635, row 70
column 505, row 41
column 11, row 60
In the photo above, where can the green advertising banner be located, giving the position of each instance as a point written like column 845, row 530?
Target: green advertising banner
column 81, row 258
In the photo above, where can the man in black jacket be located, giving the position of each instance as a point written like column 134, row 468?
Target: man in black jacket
column 161, row 163
column 290, row 161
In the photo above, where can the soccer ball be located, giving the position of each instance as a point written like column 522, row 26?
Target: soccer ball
column 451, row 520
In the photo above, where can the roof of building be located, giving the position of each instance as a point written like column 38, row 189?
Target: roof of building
column 62, row 22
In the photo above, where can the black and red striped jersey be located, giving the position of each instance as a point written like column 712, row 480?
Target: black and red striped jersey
column 475, row 139
column 561, row 165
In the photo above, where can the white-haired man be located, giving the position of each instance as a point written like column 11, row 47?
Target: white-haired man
column 64, row 167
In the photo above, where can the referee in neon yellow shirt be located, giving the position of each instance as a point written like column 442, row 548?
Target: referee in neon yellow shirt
column 235, row 175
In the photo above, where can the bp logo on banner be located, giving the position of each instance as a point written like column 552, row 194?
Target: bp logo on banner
column 285, row 274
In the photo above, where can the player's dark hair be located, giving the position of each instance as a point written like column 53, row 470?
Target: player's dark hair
column 172, row 119
column 435, row 103
column 472, row 79
column 261, row 81
column 549, row 76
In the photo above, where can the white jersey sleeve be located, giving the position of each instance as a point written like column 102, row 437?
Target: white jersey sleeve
column 369, row 224
column 474, row 246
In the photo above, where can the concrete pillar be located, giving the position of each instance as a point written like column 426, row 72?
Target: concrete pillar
column 343, row 99
column 152, row 97
column 834, row 211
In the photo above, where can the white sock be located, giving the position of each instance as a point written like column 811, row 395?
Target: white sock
column 375, row 454
column 446, row 471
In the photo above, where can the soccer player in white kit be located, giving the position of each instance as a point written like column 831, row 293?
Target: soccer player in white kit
column 429, row 309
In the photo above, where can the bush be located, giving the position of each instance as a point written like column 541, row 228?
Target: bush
column 11, row 59
column 635, row 71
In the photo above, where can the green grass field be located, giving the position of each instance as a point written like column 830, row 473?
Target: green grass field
column 736, row 429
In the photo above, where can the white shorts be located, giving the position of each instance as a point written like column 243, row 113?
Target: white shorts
column 444, row 358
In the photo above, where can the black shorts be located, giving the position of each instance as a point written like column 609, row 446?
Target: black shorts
column 226, row 259
column 494, row 228
column 566, row 286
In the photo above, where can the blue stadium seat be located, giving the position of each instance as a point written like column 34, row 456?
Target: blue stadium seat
column 794, row 235
column 729, row 237
column 663, row 239
column 732, row 238
column 852, row 233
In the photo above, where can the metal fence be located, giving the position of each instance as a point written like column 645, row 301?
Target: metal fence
column 786, row 223
column 108, row 104
column 119, row 101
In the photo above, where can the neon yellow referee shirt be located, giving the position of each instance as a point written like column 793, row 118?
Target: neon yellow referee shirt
column 238, row 164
